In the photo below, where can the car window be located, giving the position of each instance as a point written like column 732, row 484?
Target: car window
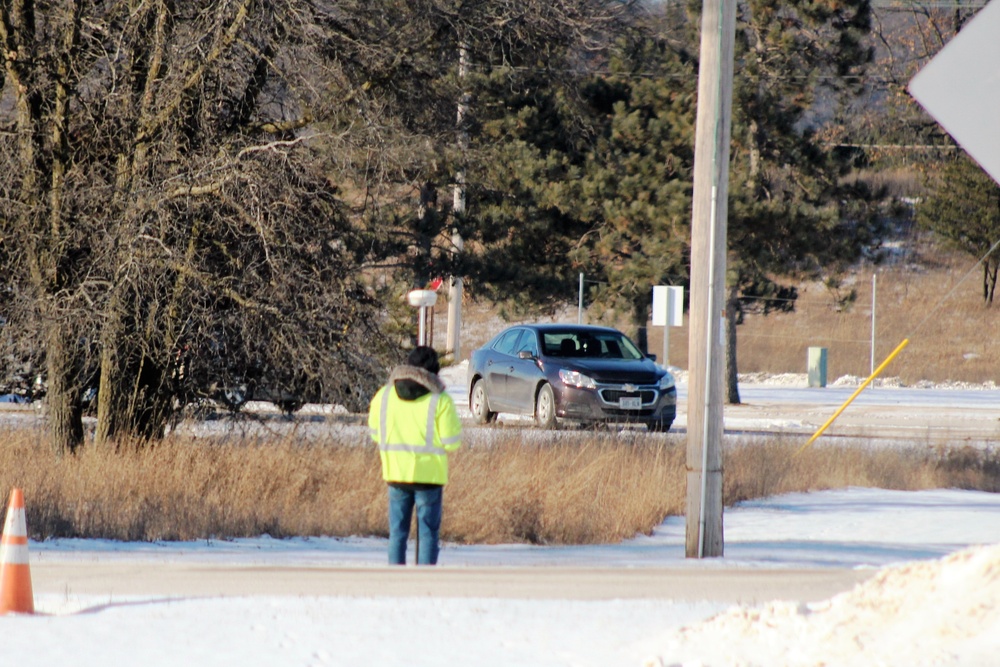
column 626, row 349
column 617, row 346
column 508, row 342
column 590, row 346
column 561, row 344
column 603, row 344
column 527, row 343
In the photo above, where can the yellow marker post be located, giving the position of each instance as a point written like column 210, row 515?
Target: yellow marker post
column 875, row 374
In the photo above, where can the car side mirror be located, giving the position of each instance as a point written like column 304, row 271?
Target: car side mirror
column 651, row 357
column 525, row 354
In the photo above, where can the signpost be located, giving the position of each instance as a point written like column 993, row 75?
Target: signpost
column 960, row 88
column 668, row 311
column 423, row 300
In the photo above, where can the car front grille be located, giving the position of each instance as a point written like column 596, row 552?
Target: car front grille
column 611, row 395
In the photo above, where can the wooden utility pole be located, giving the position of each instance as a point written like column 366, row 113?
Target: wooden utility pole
column 708, row 280
column 453, row 344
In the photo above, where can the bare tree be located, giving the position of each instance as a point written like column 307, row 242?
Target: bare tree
column 196, row 191
column 166, row 204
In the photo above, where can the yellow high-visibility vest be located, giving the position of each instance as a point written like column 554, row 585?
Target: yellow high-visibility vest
column 414, row 437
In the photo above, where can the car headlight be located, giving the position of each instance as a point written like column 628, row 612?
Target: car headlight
column 666, row 382
column 576, row 379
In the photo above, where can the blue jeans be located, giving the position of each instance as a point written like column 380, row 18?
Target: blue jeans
column 428, row 500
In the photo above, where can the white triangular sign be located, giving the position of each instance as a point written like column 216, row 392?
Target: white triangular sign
column 960, row 88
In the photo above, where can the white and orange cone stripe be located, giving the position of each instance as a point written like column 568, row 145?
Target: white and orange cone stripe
column 15, row 575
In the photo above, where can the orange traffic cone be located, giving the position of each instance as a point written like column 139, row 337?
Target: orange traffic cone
column 15, row 576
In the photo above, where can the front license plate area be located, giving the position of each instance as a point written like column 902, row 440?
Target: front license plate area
column 630, row 403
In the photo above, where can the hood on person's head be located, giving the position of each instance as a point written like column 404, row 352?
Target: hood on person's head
column 424, row 357
column 419, row 375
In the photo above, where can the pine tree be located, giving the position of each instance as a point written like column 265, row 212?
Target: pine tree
column 963, row 208
column 635, row 186
column 789, row 215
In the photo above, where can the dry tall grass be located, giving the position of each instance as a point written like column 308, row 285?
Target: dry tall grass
column 932, row 297
column 951, row 329
column 580, row 489
column 507, row 486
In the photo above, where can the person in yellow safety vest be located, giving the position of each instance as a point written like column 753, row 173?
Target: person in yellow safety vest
column 415, row 424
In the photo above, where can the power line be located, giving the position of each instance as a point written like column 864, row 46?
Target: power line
column 916, row 4
column 897, row 4
column 686, row 76
column 904, row 147
column 828, row 339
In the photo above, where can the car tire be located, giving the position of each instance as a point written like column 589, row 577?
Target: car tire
column 479, row 404
column 545, row 407
column 289, row 406
column 234, row 398
column 659, row 426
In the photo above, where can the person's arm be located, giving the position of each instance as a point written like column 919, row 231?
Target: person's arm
column 448, row 425
column 374, row 415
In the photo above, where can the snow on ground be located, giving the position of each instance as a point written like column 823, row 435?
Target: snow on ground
column 933, row 600
column 920, row 613
column 848, row 528
column 936, row 600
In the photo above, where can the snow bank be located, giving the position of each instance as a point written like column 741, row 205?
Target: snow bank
column 942, row 612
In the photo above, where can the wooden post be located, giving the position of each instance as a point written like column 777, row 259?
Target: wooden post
column 708, row 272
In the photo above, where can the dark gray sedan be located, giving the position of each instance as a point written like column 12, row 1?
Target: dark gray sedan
column 574, row 372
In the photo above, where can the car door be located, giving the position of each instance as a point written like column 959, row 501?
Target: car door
column 524, row 374
column 499, row 365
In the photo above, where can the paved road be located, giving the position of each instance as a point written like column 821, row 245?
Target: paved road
column 909, row 416
column 912, row 415
column 915, row 416
column 117, row 578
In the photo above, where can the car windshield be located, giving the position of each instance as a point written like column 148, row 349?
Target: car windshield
column 594, row 344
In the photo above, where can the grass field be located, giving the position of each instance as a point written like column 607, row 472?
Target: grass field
column 590, row 488
column 952, row 331
column 931, row 297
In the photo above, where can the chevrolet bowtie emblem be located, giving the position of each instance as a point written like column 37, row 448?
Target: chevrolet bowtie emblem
column 628, row 387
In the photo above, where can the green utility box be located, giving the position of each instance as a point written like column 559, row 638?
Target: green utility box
column 817, row 366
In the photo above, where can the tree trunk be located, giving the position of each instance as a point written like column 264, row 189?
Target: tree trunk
column 65, row 414
column 132, row 402
column 732, row 370
column 640, row 314
column 753, row 147
column 989, row 281
column 108, row 415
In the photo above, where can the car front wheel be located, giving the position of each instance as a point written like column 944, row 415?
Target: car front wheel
column 235, row 397
column 545, row 408
column 479, row 404
column 659, row 426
